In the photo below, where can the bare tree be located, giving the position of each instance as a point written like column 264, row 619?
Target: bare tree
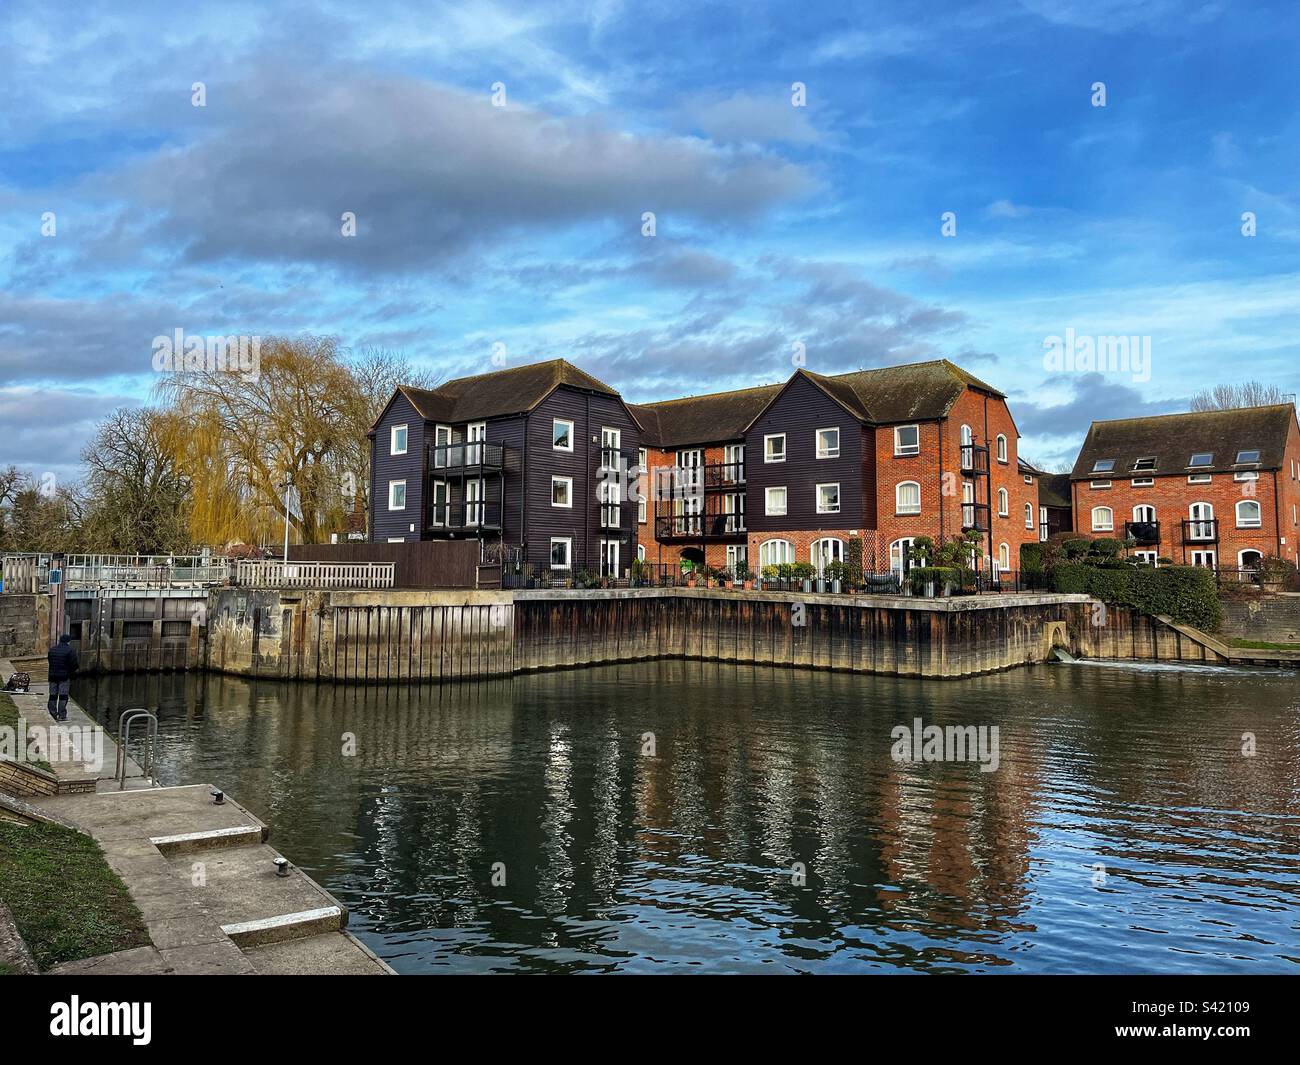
column 1240, row 394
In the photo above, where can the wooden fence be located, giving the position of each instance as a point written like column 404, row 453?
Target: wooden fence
column 261, row 574
column 425, row 564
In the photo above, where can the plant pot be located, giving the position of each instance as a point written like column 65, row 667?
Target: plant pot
column 807, row 586
column 690, row 582
column 835, row 587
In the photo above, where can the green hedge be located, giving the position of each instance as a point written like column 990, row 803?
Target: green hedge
column 1185, row 593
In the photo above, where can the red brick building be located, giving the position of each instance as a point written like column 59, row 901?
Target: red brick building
column 1213, row 488
column 794, row 472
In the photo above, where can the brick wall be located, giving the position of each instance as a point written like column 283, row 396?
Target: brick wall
column 24, row 625
column 1264, row 618
column 19, row 779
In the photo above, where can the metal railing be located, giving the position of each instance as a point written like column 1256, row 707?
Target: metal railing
column 974, row 459
column 124, row 723
column 475, row 453
column 31, row 572
column 266, row 574
column 1201, row 531
column 1142, row 532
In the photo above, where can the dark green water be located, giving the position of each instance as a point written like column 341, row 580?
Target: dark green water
column 615, row 861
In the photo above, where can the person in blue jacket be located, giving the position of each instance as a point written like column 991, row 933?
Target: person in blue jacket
column 63, row 664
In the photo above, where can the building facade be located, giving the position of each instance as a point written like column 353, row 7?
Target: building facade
column 1211, row 488
column 525, row 460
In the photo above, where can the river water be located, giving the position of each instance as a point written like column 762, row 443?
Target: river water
column 688, row 816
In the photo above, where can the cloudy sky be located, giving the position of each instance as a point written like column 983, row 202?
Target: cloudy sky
column 775, row 225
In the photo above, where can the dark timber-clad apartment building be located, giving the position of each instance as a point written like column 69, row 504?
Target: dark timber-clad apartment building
column 514, row 457
column 780, row 473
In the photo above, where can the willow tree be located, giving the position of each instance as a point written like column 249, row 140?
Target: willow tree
column 242, row 436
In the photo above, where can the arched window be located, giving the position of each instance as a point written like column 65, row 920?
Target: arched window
column 907, row 498
column 1248, row 559
column 1103, row 519
column 1144, row 512
column 1002, row 448
column 1249, row 514
column 1200, row 525
column 1029, row 515
column 1004, row 503
column 1004, row 556
column 828, row 549
column 775, row 552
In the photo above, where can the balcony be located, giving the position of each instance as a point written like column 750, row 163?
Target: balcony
column 1144, row 533
column 464, row 517
column 975, row 460
column 975, row 515
column 698, row 527
column 724, row 476
column 1201, row 531
column 472, row 457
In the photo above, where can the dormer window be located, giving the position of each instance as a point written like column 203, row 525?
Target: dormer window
column 1147, row 463
column 1247, row 458
column 1103, row 466
column 1201, row 458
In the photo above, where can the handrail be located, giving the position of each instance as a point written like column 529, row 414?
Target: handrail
column 124, row 723
column 275, row 574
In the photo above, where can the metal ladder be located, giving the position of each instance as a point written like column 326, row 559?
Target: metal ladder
column 124, row 723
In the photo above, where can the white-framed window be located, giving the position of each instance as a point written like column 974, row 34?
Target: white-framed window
column 441, row 444
column 1004, row 556
column 1249, row 514
column 397, row 440
column 1245, row 458
column 611, row 511
column 1199, row 478
column 907, row 498
column 561, row 434
column 1201, row 458
column 1150, row 558
column 644, row 481
column 640, row 552
column 828, row 498
column 1144, row 464
column 1004, row 503
column 1207, row 558
column 474, row 497
column 1098, row 485
column 774, row 447
column 737, row 555
column 1249, row 558
column 441, row 502
column 475, row 437
column 907, row 440
column 828, row 443
column 1142, row 482
column 1144, row 512
column 561, row 552
column 1246, row 475
column 1002, row 448
column 1201, row 524
column 824, row 551
column 562, row 491
column 1029, row 479
column 1029, row 515
column 775, row 553
column 396, row 495
column 1103, row 519
column 1042, row 523
column 774, row 500
column 609, row 558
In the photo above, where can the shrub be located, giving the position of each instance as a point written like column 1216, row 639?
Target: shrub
column 853, row 571
column 1187, row 594
column 939, row 576
column 1075, row 547
column 803, row 571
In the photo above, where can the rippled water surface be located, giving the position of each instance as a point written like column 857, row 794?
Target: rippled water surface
column 1123, row 831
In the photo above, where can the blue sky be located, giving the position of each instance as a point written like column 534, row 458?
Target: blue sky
column 775, row 225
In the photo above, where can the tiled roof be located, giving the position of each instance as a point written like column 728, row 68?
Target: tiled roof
column 1172, row 439
column 891, row 394
column 1054, row 490
column 707, row 419
column 501, row 392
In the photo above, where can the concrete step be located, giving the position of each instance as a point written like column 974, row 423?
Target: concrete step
column 336, row 953
column 210, row 839
column 239, row 888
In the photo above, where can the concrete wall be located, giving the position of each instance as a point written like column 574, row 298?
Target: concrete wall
column 1263, row 618
column 401, row 636
column 24, row 625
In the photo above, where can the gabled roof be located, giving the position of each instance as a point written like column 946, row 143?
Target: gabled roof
column 915, row 391
column 1054, row 490
column 713, row 418
column 501, row 392
column 1171, row 439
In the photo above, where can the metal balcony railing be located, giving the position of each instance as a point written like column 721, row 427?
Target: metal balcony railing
column 1143, row 532
column 975, row 515
column 975, row 459
column 1201, row 531
column 466, row 515
column 476, row 454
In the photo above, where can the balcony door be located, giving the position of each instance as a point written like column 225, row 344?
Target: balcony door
column 690, row 495
column 967, row 497
column 1144, row 513
column 1202, row 524
column 733, row 457
column 441, row 504
column 609, row 558
column 474, row 502
column 441, row 445
column 900, row 560
column 476, row 436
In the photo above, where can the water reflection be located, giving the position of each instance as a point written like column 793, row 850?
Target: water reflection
column 687, row 860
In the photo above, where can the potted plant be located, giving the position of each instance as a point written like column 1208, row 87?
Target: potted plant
column 689, row 567
column 836, row 575
column 743, row 576
column 803, row 572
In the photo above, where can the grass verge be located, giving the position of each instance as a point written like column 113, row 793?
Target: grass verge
column 9, row 719
column 67, row 903
column 1260, row 645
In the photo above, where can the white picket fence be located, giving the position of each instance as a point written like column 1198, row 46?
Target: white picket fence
column 267, row 574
